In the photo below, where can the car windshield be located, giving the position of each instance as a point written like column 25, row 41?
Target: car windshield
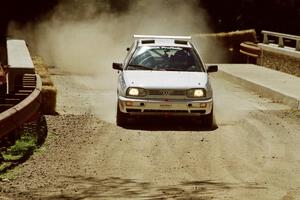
column 165, row 59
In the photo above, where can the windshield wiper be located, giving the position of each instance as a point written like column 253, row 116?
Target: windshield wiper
column 141, row 67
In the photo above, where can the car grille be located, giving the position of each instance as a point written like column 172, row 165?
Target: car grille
column 155, row 111
column 166, row 111
column 167, row 92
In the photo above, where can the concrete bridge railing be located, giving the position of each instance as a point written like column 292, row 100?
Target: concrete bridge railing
column 281, row 37
column 19, row 62
column 280, row 52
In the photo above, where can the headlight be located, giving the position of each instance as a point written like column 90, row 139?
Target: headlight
column 196, row 93
column 136, row 92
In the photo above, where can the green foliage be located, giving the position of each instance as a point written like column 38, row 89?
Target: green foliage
column 23, row 147
column 10, row 174
column 27, row 143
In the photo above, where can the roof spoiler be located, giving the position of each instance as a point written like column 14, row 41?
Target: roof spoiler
column 163, row 37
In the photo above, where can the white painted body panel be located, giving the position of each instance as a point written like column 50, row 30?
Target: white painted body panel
column 165, row 79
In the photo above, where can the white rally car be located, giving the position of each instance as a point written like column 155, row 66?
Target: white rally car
column 164, row 75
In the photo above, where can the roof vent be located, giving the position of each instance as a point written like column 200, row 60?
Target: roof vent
column 181, row 42
column 148, row 41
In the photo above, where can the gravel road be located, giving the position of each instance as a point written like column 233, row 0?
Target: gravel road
column 253, row 154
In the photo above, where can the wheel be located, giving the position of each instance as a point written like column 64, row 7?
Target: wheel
column 208, row 120
column 121, row 117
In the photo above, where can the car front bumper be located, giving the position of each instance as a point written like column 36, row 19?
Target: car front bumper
column 162, row 107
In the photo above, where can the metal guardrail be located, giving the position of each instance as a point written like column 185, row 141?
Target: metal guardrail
column 281, row 37
column 250, row 49
column 23, row 112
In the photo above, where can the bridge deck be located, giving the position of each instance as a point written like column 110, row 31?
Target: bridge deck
column 267, row 82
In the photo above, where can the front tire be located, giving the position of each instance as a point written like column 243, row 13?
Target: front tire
column 208, row 120
column 121, row 118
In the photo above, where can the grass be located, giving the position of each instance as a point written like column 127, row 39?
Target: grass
column 17, row 153
column 27, row 143
column 11, row 174
column 5, row 165
column 21, row 145
column 44, row 148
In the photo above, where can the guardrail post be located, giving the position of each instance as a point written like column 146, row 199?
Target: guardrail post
column 280, row 42
column 298, row 45
column 266, row 40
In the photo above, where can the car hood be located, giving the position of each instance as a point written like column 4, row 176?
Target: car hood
column 165, row 79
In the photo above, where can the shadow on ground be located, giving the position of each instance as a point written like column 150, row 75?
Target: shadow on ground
column 168, row 124
column 79, row 187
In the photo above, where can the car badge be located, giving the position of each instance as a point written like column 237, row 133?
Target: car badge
column 165, row 93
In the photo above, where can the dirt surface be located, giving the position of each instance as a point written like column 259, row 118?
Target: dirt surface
column 253, row 154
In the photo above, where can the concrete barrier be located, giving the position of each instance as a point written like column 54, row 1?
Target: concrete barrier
column 280, row 52
column 281, row 37
column 19, row 62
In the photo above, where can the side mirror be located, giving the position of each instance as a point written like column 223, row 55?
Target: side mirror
column 117, row 66
column 212, row 68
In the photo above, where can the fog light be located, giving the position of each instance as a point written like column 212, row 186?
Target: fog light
column 203, row 105
column 129, row 103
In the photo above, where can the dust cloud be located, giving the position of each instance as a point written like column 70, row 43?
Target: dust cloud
column 80, row 39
